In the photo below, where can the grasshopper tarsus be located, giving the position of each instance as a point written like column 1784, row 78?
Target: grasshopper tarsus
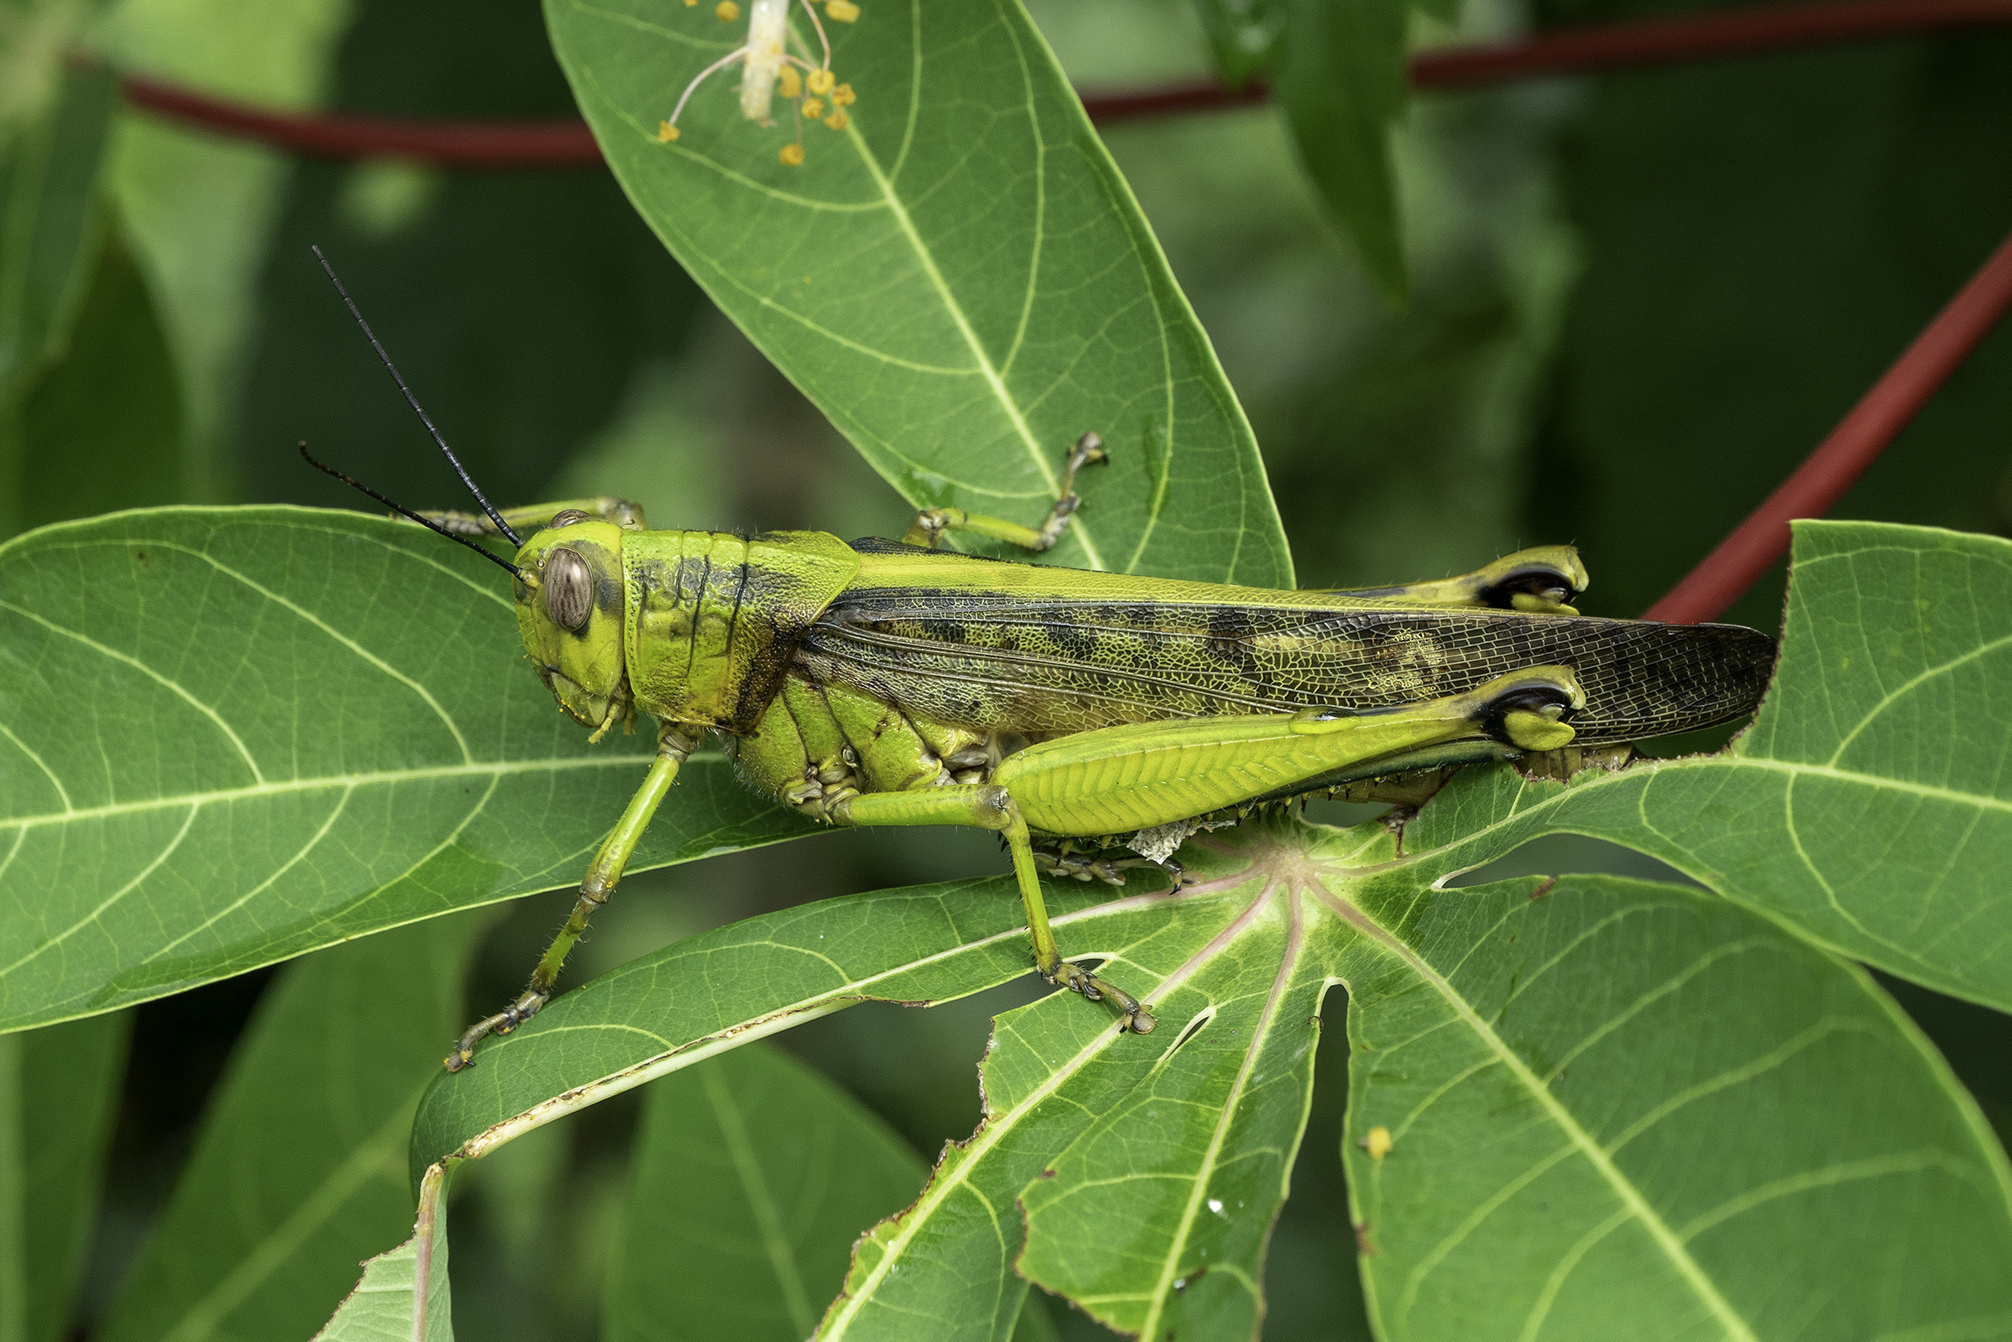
column 931, row 523
column 503, row 1022
column 1079, row 980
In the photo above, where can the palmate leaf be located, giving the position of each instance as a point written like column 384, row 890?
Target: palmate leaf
column 1870, row 806
column 1597, row 1092
column 1148, row 1168
column 229, row 736
column 960, row 279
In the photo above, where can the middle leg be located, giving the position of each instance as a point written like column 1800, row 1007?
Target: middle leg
column 931, row 523
column 984, row 806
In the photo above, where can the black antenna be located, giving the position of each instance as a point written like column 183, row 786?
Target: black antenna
column 426, row 522
column 412, row 401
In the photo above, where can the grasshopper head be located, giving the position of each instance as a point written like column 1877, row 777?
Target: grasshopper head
column 569, row 610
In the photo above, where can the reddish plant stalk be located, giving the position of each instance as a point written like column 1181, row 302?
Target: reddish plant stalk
column 1725, row 574
column 568, row 144
column 1739, row 560
column 446, row 144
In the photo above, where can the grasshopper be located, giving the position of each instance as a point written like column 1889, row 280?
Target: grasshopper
column 1073, row 712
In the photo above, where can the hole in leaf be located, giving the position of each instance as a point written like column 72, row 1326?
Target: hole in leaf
column 1194, row 1027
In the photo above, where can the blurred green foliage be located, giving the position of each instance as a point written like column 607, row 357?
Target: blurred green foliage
column 1634, row 302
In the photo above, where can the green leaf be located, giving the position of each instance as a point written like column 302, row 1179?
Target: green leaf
column 298, row 1171
column 1869, row 807
column 59, row 1089
column 1244, row 36
column 1341, row 83
column 1618, row 1100
column 49, row 172
column 960, row 279
column 50, row 235
column 102, row 427
column 732, row 985
column 1149, row 1168
column 199, row 208
column 1573, row 1073
column 386, row 1305
column 753, row 1177
column 232, row 736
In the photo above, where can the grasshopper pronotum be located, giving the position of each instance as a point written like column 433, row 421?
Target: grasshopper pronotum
column 894, row 683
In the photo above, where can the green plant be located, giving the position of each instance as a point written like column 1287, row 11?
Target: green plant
column 242, row 734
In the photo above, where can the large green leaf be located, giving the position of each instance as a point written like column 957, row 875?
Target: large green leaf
column 756, row 978
column 1573, row 1073
column 753, row 1176
column 1870, row 806
column 59, row 1089
column 1664, row 1029
column 298, row 1172
column 960, row 279
column 232, row 736
column 1611, row 1101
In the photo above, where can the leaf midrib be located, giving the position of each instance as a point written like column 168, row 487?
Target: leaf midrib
column 731, row 1034
column 1648, row 771
column 1260, row 1036
column 955, row 311
column 287, row 787
column 997, row 1128
column 761, row 1202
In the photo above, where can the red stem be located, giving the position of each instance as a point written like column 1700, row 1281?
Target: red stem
column 568, row 144
column 1714, row 584
column 447, row 144
column 1724, row 575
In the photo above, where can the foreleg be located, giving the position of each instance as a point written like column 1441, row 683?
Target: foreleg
column 674, row 744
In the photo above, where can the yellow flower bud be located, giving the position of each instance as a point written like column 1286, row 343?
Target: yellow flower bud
column 791, row 155
column 813, row 108
column 727, row 10
column 837, row 120
column 820, row 81
column 843, row 96
column 789, row 83
column 844, row 11
column 666, row 133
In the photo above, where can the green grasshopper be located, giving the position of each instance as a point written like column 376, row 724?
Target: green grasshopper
column 895, row 683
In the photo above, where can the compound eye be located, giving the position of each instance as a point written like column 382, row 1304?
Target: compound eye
column 569, row 589
column 565, row 518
